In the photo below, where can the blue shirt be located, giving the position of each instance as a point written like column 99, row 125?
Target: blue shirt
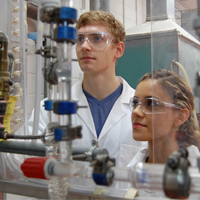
column 101, row 109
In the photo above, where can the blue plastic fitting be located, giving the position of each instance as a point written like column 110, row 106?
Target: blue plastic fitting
column 48, row 105
column 68, row 13
column 66, row 107
column 58, row 134
column 100, row 179
column 66, row 33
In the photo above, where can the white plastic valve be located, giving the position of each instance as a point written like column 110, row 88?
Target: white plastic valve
column 16, row 73
column 16, row 49
column 17, row 108
column 16, row 9
column 17, row 61
column 16, row 32
column 17, row 120
column 16, row 20
column 16, row 85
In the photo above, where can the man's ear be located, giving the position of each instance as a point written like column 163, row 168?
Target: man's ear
column 183, row 115
column 119, row 50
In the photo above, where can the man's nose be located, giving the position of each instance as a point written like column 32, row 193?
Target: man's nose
column 86, row 44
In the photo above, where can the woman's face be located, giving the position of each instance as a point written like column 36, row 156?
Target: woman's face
column 148, row 127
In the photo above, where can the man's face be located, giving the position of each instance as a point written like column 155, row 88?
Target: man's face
column 91, row 59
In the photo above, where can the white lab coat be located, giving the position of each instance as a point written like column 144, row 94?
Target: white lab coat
column 142, row 154
column 116, row 134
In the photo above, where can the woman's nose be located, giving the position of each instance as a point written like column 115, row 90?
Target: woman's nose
column 138, row 111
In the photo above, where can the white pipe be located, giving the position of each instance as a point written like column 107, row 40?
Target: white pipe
column 39, row 61
column 23, row 64
column 66, row 3
column 141, row 176
column 64, row 84
column 136, row 18
column 3, row 166
column 124, row 13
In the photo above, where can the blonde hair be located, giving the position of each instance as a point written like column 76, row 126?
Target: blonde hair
column 181, row 95
column 107, row 19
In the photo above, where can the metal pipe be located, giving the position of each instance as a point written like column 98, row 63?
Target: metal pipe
column 27, row 188
column 100, row 5
column 27, row 148
column 38, row 149
column 124, row 13
column 80, row 157
column 159, row 10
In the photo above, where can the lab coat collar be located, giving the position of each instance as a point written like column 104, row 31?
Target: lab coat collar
column 127, row 92
column 141, row 156
column 83, row 113
column 118, row 111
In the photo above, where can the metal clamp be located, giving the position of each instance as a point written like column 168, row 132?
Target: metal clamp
column 102, row 172
column 176, row 179
column 67, row 133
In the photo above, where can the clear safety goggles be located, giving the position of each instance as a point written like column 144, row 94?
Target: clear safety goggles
column 151, row 105
column 97, row 40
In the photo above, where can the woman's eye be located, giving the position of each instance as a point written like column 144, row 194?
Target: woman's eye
column 152, row 102
column 135, row 103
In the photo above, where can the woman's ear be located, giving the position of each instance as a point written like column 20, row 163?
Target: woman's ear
column 183, row 115
column 119, row 50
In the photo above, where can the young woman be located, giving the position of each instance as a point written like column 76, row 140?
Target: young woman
column 162, row 114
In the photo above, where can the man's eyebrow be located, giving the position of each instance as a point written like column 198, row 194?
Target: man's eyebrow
column 85, row 33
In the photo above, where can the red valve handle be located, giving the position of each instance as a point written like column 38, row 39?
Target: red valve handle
column 34, row 167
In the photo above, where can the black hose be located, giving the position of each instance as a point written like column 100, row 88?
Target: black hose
column 5, row 136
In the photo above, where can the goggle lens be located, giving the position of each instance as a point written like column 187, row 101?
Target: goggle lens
column 150, row 105
column 98, row 41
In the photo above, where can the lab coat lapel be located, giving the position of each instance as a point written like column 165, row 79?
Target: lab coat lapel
column 116, row 114
column 83, row 113
column 119, row 109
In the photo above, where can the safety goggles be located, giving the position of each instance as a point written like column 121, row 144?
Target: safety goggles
column 151, row 105
column 97, row 40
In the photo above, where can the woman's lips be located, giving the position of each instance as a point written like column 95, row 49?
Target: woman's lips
column 138, row 125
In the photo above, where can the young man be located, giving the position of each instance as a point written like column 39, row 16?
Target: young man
column 107, row 117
